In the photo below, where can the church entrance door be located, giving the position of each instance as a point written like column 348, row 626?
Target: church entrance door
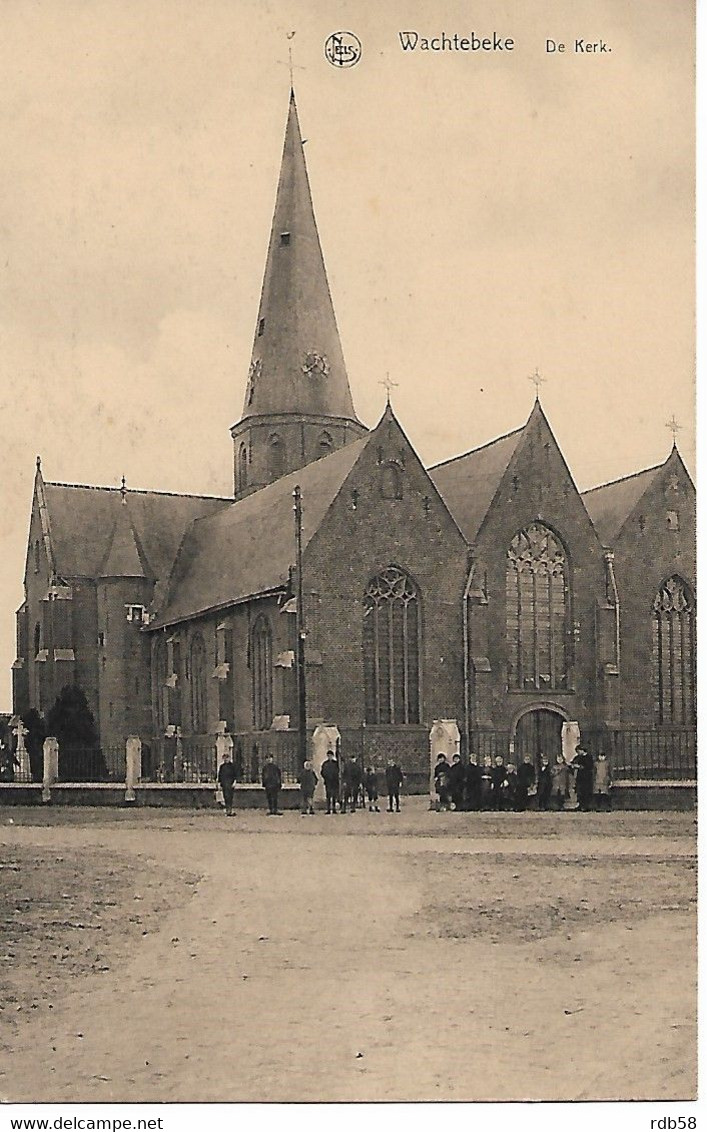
column 539, row 732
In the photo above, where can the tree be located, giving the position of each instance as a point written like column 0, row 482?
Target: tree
column 71, row 721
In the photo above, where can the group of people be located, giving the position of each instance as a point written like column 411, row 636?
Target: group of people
column 349, row 787
column 489, row 785
column 498, row 785
column 346, row 786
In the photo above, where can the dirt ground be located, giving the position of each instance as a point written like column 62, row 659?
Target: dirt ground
column 166, row 956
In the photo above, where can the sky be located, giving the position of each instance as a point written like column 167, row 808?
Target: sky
column 480, row 215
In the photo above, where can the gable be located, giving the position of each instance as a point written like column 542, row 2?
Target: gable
column 387, row 510
column 665, row 512
column 538, row 485
column 641, row 498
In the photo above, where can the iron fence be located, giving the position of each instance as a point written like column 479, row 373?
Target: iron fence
column 92, row 764
column 635, row 754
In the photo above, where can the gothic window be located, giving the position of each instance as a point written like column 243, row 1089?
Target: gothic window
column 161, row 690
column 276, row 457
column 391, row 648
column 391, row 482
column 36, row 556
column 537, row 609
column 673, row 618
column 242, row 468
column 37, row 638
column 197, row 675
column 261, row 668
column 325, row 444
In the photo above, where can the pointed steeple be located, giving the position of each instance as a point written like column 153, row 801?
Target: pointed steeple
column 298, row 403
column 297, row 364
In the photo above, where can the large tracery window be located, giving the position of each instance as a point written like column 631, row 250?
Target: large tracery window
column 537, row 608
column 674, row 652
column 197, row 674
column 391, row 648
column 261, row 667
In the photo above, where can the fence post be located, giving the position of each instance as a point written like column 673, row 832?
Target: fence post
column 50, row 752
column 133, row 765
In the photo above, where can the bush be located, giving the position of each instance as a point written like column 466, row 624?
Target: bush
column 71, row 721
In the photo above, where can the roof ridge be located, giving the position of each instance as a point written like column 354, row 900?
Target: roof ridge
column 622, row 479
column 293, row 476
column 139, row 491
column 472, row 451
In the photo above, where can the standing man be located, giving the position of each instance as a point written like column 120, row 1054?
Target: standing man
column 226, row 780
column 526, row 781
column 456, row 782
column 393, row 782
column 473, row 783
column 330, row 778
column 272, row 781
column 584, row 765
column 498, row 782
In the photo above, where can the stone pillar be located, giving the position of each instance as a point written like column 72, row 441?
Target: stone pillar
column 133, row 765
column 51, row 767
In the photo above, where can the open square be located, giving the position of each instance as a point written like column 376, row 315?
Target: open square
column 418, row 956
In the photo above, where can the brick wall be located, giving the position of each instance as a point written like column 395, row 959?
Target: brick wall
column 647, row 553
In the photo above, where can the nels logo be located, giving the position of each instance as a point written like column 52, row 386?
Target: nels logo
column 342, row 49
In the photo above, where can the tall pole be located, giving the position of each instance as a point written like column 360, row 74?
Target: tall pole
column 301, row 634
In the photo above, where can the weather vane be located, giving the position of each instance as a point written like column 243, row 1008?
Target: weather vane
column 537, row 380
column 674, row 427
column 388, row 384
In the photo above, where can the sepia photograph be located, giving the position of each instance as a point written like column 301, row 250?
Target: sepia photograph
column 348, row 363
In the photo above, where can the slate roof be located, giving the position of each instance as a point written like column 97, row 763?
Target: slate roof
column 84, row 523
column 247, row 548
column 468, row 483
column 610, row 504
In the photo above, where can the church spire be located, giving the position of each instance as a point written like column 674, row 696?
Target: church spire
column 297, row 363
column 297, row 372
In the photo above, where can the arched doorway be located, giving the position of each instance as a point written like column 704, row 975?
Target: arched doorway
column 539, row 732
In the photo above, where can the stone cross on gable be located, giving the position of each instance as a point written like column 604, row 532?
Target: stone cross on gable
column 537, row 380
column 388, row 384
column 674, row 427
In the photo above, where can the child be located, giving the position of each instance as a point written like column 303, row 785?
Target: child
column 441, row 777
column 602, row 782
column 307, row 781
column 372, row 790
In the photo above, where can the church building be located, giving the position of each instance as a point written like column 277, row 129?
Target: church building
column 486, row 591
